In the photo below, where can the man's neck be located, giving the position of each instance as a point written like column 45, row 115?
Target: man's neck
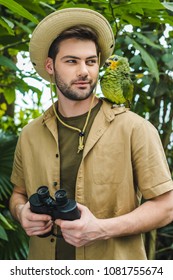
column 70, row 108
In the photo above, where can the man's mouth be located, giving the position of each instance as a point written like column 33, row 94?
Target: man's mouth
column 82, row 84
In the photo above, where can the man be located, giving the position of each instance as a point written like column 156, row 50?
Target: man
column 106, row 158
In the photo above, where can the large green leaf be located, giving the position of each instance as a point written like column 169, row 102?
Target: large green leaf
column 152, row 5
column 3, row 234
column 13, row 239
column 147, row 58
column 34, row 6
column 10, row 95
column 5, row 61
column 129, row 18
column 4, row 23
column 5, row 222
column 16, row 8
column 146, row 40
column 17, row 246
column 7, row 148
column 168, row 6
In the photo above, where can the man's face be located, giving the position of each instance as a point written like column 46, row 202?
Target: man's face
column 76, row 68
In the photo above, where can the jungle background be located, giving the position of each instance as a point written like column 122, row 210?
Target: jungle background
column 143, row 33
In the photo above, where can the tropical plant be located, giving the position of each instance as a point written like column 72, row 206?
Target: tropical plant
column 165, row 243
column 13, row 240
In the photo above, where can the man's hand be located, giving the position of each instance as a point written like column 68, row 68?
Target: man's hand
column 82, row 231
column 154, row 213
column 33, row 224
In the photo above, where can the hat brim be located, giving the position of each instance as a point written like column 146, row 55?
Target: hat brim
column 52, row 25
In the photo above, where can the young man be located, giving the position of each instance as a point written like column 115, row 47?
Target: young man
column 104, row 157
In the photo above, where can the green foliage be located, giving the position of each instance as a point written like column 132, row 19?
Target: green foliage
column 16, row 8
column 7, row 146
column 13, row 240
column 165, row 243
column 141, row 34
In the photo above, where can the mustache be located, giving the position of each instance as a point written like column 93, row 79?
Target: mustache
column 82, row 79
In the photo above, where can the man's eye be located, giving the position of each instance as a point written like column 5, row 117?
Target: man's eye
column 91, row 62
column 71, row 61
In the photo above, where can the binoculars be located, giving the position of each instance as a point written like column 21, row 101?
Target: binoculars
column 59, row 208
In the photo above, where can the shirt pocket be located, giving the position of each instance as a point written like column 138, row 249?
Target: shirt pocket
column 108, row 163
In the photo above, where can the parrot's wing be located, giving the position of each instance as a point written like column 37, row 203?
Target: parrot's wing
column 128, row 88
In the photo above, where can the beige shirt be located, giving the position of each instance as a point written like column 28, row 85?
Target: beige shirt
column 123, row 159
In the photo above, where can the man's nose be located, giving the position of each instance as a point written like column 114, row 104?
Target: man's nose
column 82, row 70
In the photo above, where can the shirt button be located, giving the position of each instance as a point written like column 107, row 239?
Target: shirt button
column 57, row 155
column 52, row 240
column 55, row 184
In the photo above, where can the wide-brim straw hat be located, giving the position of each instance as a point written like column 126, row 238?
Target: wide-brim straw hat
column 52, row 25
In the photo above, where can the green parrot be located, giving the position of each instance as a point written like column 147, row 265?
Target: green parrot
column 116, row 84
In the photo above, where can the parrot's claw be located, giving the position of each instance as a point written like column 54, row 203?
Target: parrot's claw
column 117, row 106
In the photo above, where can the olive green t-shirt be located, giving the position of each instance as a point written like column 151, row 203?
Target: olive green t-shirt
column 70, row 160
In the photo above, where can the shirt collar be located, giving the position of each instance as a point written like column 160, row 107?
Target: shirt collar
column 110, row 110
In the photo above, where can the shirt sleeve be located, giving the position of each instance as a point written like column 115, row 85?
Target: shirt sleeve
column 151, row 172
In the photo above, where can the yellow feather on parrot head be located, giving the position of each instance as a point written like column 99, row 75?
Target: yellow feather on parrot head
column 115, row 61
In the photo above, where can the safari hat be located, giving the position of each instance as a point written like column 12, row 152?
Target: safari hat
column 55, row 23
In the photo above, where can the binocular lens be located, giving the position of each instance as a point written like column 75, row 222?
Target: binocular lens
column 61, row 197
column 43, row 192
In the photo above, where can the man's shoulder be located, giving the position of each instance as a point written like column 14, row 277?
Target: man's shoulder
column 38, row 123
column 123, row 117
column 121, row 111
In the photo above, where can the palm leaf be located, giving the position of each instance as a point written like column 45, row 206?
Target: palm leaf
column 13, row 239
column 15, row 247
column 7, row 148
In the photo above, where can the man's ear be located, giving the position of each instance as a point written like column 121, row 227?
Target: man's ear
column 49, row 66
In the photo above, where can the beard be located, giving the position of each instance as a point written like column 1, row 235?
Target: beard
column 75, row 95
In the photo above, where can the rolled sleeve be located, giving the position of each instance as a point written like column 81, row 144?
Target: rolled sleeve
column 151, row 171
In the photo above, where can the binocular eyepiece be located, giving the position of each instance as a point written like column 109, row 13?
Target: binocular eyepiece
column 59, row 208
column 44, row 196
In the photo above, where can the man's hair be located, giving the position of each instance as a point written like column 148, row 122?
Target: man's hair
column 80, row 32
